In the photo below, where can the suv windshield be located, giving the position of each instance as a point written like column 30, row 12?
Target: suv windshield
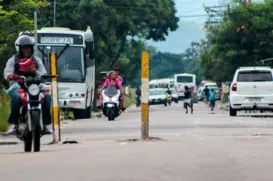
column 157, row 92
column 69, row 63
column 254, row 76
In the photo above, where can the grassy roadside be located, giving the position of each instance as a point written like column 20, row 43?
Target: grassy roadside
column 224, row 99
column 129, row 99
column 4, row 112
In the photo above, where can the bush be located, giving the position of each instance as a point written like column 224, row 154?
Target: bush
column 225, row 98
column 129, row 99
column 4, row 111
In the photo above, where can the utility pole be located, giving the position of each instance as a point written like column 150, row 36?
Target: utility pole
column 215, row 14
column 145, row 63
column 35, row 33
column 54, row 19
column 55, row 103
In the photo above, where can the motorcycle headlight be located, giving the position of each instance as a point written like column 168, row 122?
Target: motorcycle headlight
column 33, row 89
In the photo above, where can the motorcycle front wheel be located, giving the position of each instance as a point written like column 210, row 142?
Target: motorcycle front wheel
column 28, row 142
column 111, row 114
column 36, row 130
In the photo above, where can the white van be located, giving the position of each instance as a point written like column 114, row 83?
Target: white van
column 251, row 89
column 201, row 94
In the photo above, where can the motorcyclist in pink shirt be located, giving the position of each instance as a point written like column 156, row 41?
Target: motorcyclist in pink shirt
column 113, row 80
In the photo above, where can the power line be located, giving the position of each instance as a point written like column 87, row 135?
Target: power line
column 215, row 14
column 192, row 16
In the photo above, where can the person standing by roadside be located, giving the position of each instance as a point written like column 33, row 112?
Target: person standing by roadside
column 206, row 92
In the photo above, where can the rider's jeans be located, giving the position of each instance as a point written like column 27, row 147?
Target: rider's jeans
column 16, row 104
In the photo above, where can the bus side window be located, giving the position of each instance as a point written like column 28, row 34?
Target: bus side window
column 88, row 53
column 91, row 50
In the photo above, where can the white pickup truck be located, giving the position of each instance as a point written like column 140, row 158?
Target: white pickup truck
column 251, row 89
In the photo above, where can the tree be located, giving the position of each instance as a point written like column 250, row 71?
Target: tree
column 242, row 39
column 165, row 65
column 119, row 26
column 114, row 22
column 15, row 16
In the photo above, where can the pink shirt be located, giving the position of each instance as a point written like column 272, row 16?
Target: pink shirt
column 108, row 83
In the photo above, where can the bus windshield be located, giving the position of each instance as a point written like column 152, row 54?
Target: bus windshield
column 184, row 79
column 70, row 62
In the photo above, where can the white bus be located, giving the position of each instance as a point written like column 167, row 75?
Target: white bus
column 161, row 83
column 166, row 83
column 75, row 64
column 153, row 84
column 182, row 80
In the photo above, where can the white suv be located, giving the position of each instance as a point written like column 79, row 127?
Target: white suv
column 251, row 89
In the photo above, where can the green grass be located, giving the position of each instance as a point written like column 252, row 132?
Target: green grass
column 129, row 99
column 225, row 98
column 4, row 112
column 5, row 109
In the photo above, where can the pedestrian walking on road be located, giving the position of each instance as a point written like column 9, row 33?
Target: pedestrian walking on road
column 206, row 92
column 187, row 100
column 212, row 99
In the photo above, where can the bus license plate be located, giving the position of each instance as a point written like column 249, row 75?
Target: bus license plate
column 74, row 102
column 254, row 99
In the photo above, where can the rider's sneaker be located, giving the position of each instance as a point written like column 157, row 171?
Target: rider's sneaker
column 12, row 129
column 47, row 130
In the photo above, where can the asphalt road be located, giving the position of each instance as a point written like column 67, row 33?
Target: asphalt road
column 194, row 147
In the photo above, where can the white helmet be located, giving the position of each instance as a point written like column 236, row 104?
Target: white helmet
column 22, row 35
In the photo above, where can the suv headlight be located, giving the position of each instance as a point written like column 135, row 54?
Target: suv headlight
column 34, row 89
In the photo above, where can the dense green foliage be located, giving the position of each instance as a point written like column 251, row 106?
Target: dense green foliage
column 164, row 65
column 232, row 47
column 15, row 16
column 120, row 27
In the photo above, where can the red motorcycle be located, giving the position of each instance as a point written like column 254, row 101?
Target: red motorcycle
column 30, row 125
